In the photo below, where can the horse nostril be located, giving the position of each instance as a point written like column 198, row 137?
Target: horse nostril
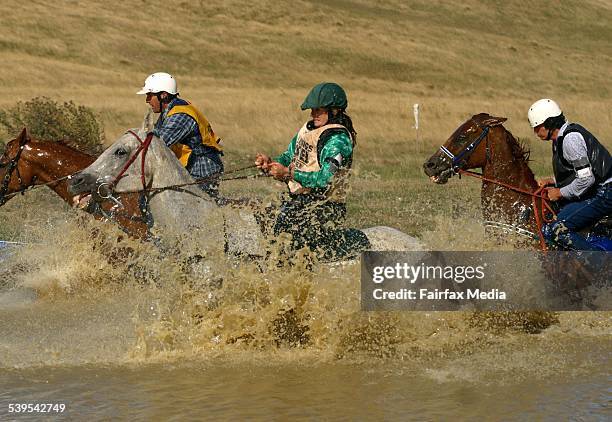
column 429, row 165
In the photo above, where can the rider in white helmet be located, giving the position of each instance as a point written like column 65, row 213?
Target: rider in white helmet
column 185, row 130
column 582, row 175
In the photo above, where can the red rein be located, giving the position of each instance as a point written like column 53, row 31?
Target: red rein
column 144, row 147
column 540, row 216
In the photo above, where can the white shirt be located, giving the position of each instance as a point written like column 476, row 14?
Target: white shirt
column 574, row 148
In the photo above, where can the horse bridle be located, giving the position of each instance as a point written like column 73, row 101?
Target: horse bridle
column 12, row 166
column 142, row 148
column 457, row 161
column 105, row 190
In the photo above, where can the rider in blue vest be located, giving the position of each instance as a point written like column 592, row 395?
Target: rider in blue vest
column 582, row 175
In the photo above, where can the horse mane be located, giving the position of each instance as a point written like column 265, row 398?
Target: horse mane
column 519, row 152
column 519, row 149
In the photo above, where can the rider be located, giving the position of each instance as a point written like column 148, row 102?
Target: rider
column 316, row 167
column 582, row 175
column 185, row 130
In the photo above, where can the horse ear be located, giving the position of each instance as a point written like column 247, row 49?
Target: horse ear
column 494, row 121
column 24, row 134
column 147, row 123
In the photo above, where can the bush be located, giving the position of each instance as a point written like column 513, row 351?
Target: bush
column 46, row 119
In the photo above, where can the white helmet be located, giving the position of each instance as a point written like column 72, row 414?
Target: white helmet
column 158, row 82
column 542, row 110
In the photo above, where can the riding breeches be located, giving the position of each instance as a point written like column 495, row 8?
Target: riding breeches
column 579, row 215
column 318, row 225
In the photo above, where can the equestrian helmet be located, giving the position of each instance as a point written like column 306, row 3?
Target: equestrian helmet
column 542, row 110
column 326, row 95
column 159, row 82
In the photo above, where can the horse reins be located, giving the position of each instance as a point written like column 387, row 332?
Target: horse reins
column 25, row 189
column 457, row 160
column 144, row 145
column 12, row 167
column 143, row 148
column 146, row 191
column 537, row 194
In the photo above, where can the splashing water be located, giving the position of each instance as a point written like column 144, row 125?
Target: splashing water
column 90, row 296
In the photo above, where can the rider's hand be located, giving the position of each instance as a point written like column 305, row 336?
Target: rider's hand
column 263, row 162
column 554, row 194
column 546, row 181
column 280, row 172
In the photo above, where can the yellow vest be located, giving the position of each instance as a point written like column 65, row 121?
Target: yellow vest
column 209, row 138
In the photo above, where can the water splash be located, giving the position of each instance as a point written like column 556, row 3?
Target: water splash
column 105, row 299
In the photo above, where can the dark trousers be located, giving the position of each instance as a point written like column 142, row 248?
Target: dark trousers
column 318, row 225
column 579, row 215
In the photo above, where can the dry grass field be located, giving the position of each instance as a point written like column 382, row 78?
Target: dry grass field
column 249, row 64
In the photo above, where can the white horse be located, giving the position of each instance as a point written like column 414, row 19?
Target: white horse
column 188, row 211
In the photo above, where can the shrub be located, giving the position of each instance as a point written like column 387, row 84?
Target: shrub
column 46, row 119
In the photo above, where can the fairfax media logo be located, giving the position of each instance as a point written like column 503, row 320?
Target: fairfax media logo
column 482, row 280
column 428, row 280
column 437, row 294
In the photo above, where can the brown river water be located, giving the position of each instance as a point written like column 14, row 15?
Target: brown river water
column 286, row 344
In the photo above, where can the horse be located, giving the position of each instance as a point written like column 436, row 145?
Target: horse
column 28, row 162
column 509, row 191
column 141, row 162
column 483, row 142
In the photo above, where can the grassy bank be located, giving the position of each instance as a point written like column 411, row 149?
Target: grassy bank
column 248, row 65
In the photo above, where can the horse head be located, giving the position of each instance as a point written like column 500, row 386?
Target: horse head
column 118, row 166
column 15, row 173
column 464, row 149
column 507, row 181
column 136, row 161
column 140, row 165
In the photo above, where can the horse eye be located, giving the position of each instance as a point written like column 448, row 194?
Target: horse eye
column 120, row 152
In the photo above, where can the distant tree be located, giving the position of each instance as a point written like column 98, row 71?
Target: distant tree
column 46, row 119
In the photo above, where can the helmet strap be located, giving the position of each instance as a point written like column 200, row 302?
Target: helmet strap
column 159, row 98
column 163, row 101
column 549, row 135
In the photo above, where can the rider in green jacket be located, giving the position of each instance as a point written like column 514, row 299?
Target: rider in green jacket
column 316, row 167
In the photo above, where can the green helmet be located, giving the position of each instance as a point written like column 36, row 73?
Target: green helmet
column 325, row 95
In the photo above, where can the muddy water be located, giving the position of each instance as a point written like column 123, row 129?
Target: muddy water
column 213, row 390
column 143, row 341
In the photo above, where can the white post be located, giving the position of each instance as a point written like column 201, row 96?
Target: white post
column 415, row 109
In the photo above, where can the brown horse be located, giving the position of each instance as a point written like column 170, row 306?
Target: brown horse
column 508, row 186
column 27, row 162
column 483, row 142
